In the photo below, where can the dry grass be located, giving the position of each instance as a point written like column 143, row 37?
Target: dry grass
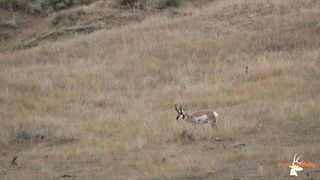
column 111, row 93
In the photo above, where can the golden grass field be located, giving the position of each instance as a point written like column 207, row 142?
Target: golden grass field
column 101, row 105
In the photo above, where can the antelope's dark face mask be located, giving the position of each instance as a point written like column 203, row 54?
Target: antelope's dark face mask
column 180, row 112
column 179, row 115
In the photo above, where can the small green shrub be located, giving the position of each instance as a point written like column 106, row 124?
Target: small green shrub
column 22, row 135
column 5, row 16
column 174, row 3
column 67, row 18
column 81, row 2
column 37, row 6
column 13, row 4
column 30, row 6
column 35, row 132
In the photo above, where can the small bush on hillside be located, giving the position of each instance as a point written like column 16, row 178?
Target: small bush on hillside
column 67, row 18
column 32, row 132
column 135, row 3
column 37, row 6
column 40, row 5
column 174, row 3
column 81, row 2
column 12, row 4
column 58, row 5
column 24, row 5
column 24, row 135
column 5, row 16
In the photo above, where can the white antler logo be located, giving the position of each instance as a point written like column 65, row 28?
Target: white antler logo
column 294, row 167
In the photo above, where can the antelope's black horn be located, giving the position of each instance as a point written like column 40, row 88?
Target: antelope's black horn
column 176, row 108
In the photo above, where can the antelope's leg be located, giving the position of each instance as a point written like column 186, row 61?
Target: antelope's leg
column 214, row 125
column 197, row 123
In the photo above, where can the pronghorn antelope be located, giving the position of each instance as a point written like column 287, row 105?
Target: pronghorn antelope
column 201, row 117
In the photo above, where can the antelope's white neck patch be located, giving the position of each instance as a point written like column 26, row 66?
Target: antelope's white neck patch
column 215, row 114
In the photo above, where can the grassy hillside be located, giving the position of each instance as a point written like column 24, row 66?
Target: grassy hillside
column 101, row 105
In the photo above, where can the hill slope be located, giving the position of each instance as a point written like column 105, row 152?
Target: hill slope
column 101, row 105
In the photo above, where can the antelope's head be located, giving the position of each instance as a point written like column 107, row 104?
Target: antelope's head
column 180, row 112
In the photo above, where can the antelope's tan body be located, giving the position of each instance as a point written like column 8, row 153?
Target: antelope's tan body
column 197, row 118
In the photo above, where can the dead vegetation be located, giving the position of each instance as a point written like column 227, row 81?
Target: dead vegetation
column 104, row 102
column 21, row 30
